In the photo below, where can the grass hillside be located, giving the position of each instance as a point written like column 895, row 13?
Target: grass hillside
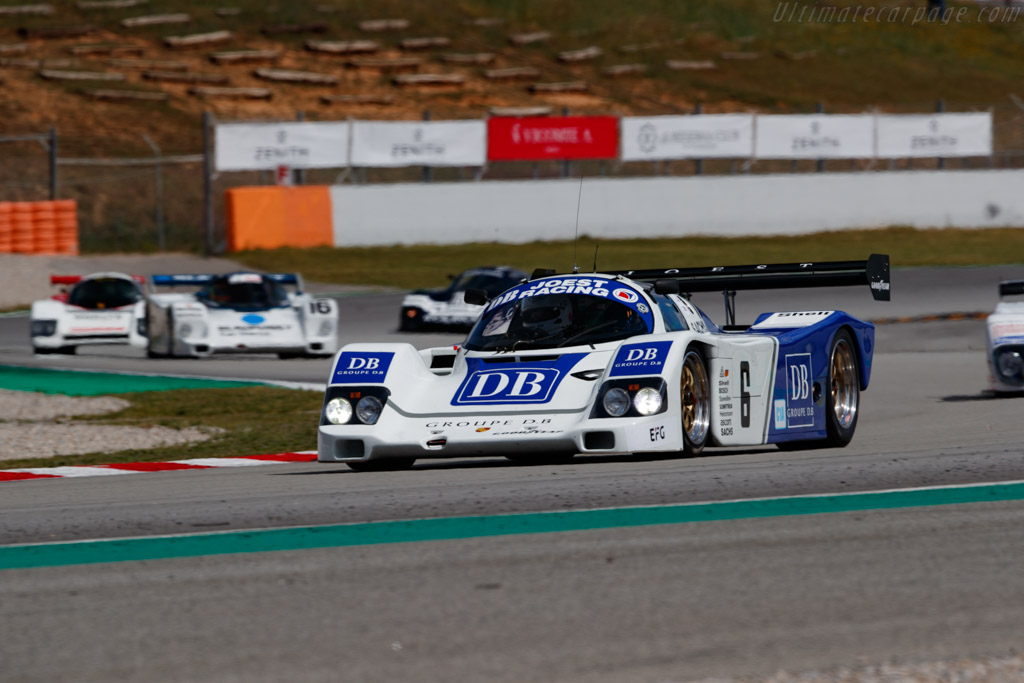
column 765, row 59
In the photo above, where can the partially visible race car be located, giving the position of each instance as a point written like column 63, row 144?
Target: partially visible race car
column 242, row 312
column 613, row 362
column 447, row 307
column 101, row 308
column 1005, row 333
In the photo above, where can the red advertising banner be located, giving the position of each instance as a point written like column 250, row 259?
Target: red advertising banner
column 538, row 138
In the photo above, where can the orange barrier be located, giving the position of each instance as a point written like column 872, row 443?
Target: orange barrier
column 271, row 217
column 5, row 227
column 39, row 227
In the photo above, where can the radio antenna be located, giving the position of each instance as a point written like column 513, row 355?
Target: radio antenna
column 576, row 237
column 595, row 257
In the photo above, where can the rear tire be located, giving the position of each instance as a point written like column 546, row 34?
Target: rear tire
column 842, row 400
column 383, row 465
column 695, row 403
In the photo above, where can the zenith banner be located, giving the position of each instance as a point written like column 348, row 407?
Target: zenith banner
column 552, row 137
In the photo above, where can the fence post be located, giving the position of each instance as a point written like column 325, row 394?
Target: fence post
column 566, row 168
column 426, row 169
column 820, row 108
column 698, row 168
column 207, row 184
column 159, row 180
column 299, row 174
column 53, row 164
column 940, row 106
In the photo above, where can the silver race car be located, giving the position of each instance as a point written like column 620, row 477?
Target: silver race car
column 613, row 362
column 98, row 309
column 425, row 308
column 241, row 312
column 1005, row 332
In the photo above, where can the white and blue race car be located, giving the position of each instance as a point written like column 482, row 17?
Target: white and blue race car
column 614, row 362
column 434, row 308
column 98, row 309
column 241, row 312
column 1005, row 334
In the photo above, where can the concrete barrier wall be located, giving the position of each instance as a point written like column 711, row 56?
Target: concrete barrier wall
column 525, row 211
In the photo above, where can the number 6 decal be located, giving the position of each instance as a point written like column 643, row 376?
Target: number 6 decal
column 745, row 394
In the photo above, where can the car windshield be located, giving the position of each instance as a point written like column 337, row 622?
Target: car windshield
column 492, row 284
column 104, row 293
column 552, row 320
column 252, row 292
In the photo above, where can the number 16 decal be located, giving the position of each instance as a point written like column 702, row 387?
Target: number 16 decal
column 744, row 394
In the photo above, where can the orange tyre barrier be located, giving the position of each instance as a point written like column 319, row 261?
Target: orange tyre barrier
column 49, row 227
column 5, row 227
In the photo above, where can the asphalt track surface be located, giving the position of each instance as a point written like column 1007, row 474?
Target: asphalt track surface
column 666, row 602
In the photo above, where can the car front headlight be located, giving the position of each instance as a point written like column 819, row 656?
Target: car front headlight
column 326, row 327
column 338, row 411
column 1010, row 364
column 368, row 409
column 44, row 328
column 647, row 401
column 616, row 402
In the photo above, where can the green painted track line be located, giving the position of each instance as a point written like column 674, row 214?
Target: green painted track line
column 452, row 528
column 81, row 383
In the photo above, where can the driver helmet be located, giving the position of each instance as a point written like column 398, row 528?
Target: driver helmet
column 546, row 313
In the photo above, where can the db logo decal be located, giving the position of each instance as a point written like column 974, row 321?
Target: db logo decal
column 625, row 295
column 534, row 385
column 640, row 359
column 799, row 403
column 362, row 366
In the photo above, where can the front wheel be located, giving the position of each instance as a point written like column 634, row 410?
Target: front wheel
column 383, row 465
column 411, row 320
column 695, row 403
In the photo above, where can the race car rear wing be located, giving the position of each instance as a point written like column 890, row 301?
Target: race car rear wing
column 197, row 280
column 873, row 272
column 1011, row 288
column 75, row 279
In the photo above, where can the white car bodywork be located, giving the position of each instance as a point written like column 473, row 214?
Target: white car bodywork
column 104, row 313
column 1005, row 333
column 192, row 324
column 688, row 382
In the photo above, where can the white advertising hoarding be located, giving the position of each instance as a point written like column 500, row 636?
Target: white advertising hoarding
column 652, row 138
column 935, row 135
column 259, row 146
column 426, row 143
column 815, row 136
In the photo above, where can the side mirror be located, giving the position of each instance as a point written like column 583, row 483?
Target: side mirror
column 666, row 286
column 476, row 297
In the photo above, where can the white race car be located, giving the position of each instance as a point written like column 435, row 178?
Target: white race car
column 240, row 312
column 1005, row 332
column 426, row 308
column 614, row 362
column 102, row 308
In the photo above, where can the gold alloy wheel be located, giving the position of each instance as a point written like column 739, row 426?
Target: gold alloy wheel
column 845, row 386
column 695, row 395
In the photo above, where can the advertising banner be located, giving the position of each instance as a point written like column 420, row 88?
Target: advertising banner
column 419, row 143
column 815, row 136
column 935, row 135
column 539, row 138
column 652, row 138
column 267, row 146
